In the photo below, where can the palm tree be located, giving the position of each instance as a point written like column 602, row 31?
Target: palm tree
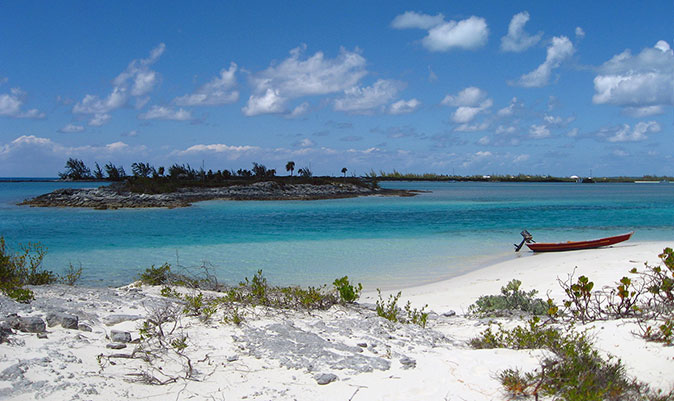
column 290, row 166
column 344, row 170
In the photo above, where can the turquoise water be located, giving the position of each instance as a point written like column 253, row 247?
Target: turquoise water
column 381, row 241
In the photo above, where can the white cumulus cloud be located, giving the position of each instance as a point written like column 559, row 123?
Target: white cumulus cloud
column 559, row 50
column 469, row 33
column 298, row 76
column 404, row 106
column 469, row 102
column 136, row 81
column 628, row 134
column 517, row 40
column 71, row 128
column 220, row 90
column 538, row 131
column 365, row 100
column 165, row 113
column 12, row 102
column 643, row 84
column 411, row 19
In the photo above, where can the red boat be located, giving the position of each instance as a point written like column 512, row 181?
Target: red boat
column 576, row 245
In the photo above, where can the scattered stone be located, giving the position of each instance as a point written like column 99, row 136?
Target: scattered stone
column 84, row 327
column 325, row 378
column 116, row 346
column 232, row 358
column 408, row 363
column 449, row 313
column 112, row 320
column 42, row 336
column 31, row 324
column 65, row 320
column 5, row 332
column 118, row 336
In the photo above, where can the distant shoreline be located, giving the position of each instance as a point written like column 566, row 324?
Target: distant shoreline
column 115, row 197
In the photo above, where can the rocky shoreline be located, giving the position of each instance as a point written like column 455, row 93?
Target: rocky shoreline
column 110, row 197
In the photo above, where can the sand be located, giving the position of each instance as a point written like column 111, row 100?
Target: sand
column 284, row 355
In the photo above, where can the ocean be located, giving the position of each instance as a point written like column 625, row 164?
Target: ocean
column 383, row 242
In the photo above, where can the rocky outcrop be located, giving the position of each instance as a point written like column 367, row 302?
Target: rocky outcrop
column 108, row 197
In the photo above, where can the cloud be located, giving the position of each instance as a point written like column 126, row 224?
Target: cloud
column 404, row 106
column 627, row 134
column 641, row 84
column 469, row 103
column 411, row 19
column 296, row 77
column 508, row 111
column 442, row 36
column 229, row 151
column 559, row 50
column 538, row 131
column 137, row 80
column 472, row 127
column 517, row 40
column 11, row 103
column 71, row 128
column 220, row 90
column 269, row 103
column 365, row 100
column 299, row 111
column 521, row 158
column 165, row 113
column 580, row 33
column 469, row 34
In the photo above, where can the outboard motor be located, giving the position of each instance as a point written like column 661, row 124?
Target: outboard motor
column 526, row 238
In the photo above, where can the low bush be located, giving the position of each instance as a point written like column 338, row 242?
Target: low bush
column 23, row 268
column 348, row 293
column 574, row 371
column 510, row 299
column 389, row 310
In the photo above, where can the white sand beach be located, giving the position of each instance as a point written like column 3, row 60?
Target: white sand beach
column 284, row 355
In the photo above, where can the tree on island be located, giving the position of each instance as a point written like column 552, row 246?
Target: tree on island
column 290, row 166
column 305, row 172
column 98, row 173
column 143, row 170
column 344, row 170
column 115, row 173
column 75, row 170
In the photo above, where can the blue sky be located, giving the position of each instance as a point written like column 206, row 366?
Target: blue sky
column 478, row 87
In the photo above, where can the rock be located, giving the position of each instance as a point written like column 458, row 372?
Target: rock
column 325, row 378
column 118, row 336
column 112, row 320
column 65, row 320
column 232, row 358
column 42, row 336
column 31, row 324
column 449, row 313
column 84, row 327
column 408, row 363
column 362, row 345
column 5, row 332
column 116, row 346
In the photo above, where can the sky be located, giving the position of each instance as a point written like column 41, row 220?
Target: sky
column 448, row 87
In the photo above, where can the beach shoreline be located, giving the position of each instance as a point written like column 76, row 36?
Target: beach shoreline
column 345, row 352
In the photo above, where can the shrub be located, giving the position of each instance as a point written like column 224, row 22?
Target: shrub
column 22, row 268
column 72, row 275
column 510, row 299
column 348, row 293
column 156, row 275
column 575, row 371
column 389, row 310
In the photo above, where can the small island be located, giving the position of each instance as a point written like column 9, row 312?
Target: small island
column 182, row 185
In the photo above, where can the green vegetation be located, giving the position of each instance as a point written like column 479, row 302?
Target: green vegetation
column 573, row 371
column 348, row 293
column 389, row 310
column 511, row 299
column 23, row 268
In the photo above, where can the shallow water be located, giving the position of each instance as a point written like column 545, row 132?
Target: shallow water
column 381, row 241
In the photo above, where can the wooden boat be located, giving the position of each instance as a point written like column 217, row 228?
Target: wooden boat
column 576, row 245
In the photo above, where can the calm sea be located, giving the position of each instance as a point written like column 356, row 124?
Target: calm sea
column 380, row 241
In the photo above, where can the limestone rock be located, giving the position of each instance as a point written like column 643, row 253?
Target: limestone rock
column 118, row 336
column 325, row 378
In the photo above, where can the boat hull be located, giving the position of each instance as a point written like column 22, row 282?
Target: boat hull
column 577, row 245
